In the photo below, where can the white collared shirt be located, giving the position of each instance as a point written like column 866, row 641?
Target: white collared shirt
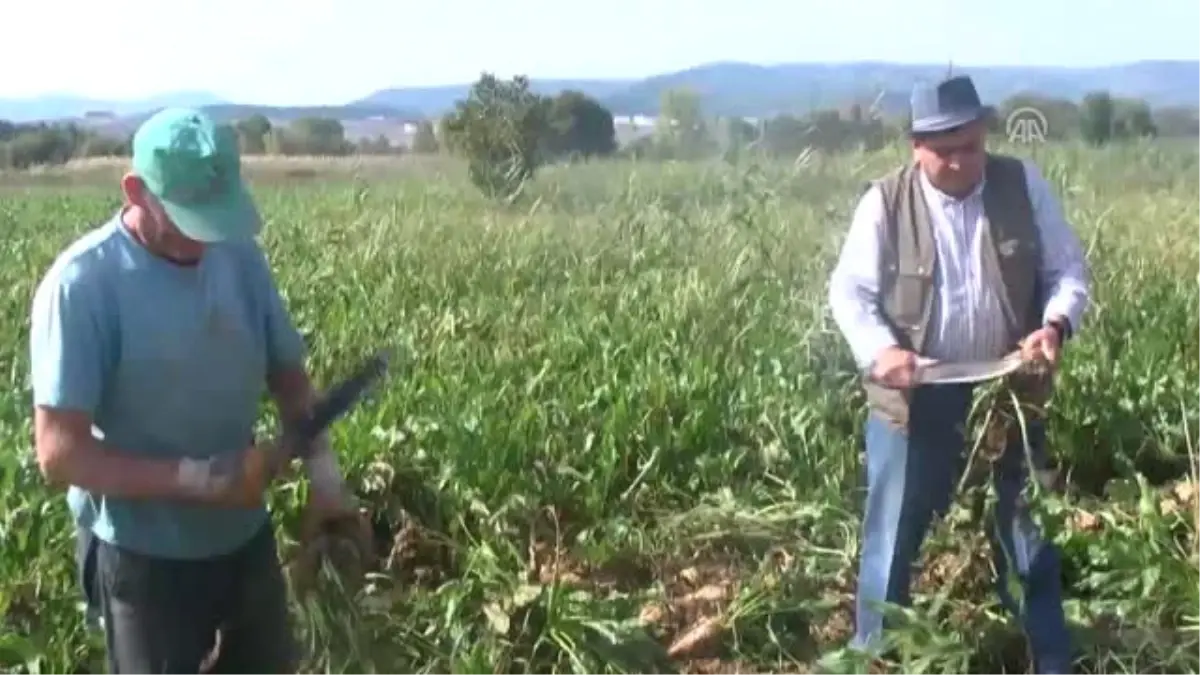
column 967, row 321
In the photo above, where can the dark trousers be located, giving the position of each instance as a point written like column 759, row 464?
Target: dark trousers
column 163, row 615
column 911, row 476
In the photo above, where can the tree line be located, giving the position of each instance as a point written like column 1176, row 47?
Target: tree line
column 27, row 145
column 573, row 125
column 505, row 130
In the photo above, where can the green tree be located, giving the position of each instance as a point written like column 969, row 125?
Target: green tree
column 104, row 146
column 499, row 128
column 1062, row 116
column 1177, row 122
column 1138, row 120
column 8, row 130
column 785, row 136
column 425, row 139
column 41, row 144
column 735, row 135
column 681, row 124
column 1096, row 117
column 277, row 142
column 318, row 136
column 379, row 145
column 579, row 125
column 252, row 134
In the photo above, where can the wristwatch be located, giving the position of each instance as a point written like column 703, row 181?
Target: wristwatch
column 1061, row 326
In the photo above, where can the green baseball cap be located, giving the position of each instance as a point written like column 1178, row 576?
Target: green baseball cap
column 192, row 165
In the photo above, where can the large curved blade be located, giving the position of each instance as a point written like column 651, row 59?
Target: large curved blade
column 930, row 371
column 338, row 401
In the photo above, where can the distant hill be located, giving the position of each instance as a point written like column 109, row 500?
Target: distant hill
column 64, row 105
column 230, row 112
column 350, row 113
column 756, row 91
column 358, row 119
column 726, row 88
column 751, row 90
column 433, row 101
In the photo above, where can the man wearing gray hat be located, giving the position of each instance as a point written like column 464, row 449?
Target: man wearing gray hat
column 959, row 256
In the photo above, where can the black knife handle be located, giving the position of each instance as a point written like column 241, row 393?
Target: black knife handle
column 334, row 403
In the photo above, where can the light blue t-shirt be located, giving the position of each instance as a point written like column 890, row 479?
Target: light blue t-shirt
column 170, row 361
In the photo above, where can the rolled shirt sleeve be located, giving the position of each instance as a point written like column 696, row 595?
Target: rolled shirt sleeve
column 854, row 284
column 1064, row 272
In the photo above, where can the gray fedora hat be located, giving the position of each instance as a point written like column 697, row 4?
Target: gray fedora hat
column 945, row 106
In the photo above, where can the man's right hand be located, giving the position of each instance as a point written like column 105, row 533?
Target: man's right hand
column 895, row 368
column 234, row 479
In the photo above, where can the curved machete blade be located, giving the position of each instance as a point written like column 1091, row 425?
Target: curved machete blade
column 930, row 371
column 337, row 402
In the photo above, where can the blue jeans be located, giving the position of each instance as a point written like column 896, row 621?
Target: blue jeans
column 910, row 477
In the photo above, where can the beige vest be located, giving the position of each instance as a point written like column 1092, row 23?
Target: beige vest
column 907, row 260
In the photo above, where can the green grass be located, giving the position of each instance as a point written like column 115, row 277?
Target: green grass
column 634, row 373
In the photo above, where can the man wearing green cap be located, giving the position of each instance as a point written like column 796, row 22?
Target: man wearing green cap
column 153, row 337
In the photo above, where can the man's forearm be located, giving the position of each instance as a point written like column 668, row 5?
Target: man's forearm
column 854, row 284
column 1068, row 301
column 92, row 466
column 294, row 396
column 859, row 322
column 293, row 392
column 1063, row 269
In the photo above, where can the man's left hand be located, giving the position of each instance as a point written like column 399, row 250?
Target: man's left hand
column 334, row 512
column 1042, row 345
column 331, row 506
column 333, row 525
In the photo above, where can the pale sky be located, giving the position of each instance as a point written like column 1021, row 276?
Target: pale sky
column 333, row 51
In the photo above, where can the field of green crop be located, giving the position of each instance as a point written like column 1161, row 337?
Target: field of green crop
column 625, row 413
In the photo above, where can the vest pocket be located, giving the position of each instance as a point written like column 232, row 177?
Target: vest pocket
column 909, row 297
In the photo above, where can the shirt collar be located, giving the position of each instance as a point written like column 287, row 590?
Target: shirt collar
column 932, row 192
